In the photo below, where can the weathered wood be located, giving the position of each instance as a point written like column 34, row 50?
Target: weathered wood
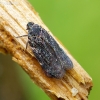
column 14, row 15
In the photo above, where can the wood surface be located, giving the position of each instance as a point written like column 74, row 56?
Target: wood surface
column 14, row 15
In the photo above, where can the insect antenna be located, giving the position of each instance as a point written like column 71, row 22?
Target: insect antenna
column 23, row 36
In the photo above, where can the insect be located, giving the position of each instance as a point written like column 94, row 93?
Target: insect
column 51, row 57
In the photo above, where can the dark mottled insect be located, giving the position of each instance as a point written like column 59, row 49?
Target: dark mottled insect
column 51, row 57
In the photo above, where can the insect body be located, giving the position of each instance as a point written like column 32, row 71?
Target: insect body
column 51, row 57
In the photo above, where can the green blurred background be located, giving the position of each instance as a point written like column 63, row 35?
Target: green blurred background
column 76, row 23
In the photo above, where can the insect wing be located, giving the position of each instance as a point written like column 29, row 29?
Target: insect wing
column 48, row 59
column 51, row 57
column 64, row 59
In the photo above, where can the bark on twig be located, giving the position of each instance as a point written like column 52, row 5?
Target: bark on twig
column 14, row 15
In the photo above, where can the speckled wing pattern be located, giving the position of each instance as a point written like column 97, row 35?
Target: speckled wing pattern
column 51, row 57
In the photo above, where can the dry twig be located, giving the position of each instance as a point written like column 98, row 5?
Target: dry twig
column 14, row 15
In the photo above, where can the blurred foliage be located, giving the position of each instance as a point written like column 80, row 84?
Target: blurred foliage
column 76, row 24
column 10, row 86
